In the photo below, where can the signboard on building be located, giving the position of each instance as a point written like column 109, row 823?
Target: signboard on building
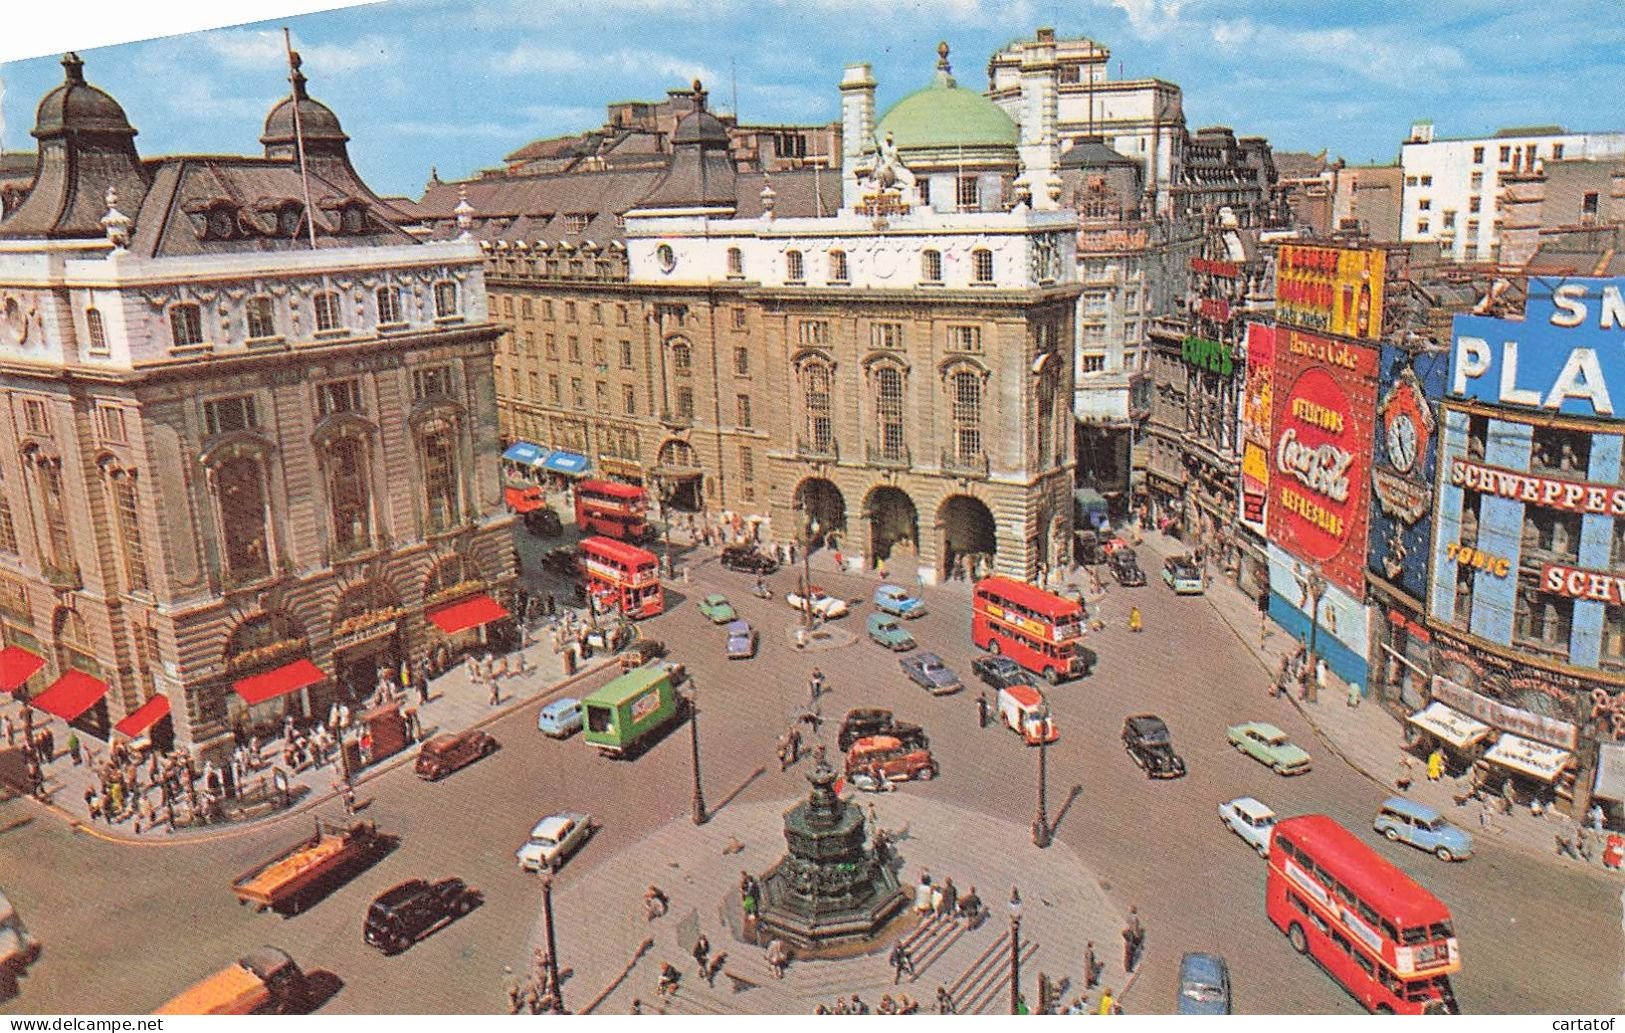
column 1255, row 425
column 1562, row 357
column 1404, row 462
column 1320, row 441
column 1331, row 289
column 1206, row 354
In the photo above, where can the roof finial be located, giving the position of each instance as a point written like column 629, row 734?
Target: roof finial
column 945, row 73
column 296, row 76
column 769, row 196
column 464, row 212
column 74, row 67
column 116, row 223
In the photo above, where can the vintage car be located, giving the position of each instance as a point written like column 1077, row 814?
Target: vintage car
column 444, row 754
column 1125, row 567
column 1183, row 576
column 747, row 559
column 1204, row 985
column 885, row 631
column 641, row 652
column 1147, row 741
column 741, row 643
column 1420, row 826
column 552, row 840
column 897, row 602
column 717, row 609
column 820, row 602
column 1251, row 820
column 560, row 718
column 891, row 759
column 403, row 914
column 1267, row 744
column 1001, row 672
column 929, row 672
column 861, row 722
column 1023, row 710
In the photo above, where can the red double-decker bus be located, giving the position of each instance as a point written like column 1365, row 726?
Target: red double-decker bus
column 622, row 577
column 1037, row 629
column 1389, row 942
column 613, row 509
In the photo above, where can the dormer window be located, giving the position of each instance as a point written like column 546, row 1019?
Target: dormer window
column 222, row 224
column 288, row 219
column 186, row 324
column 445, row 299
column 354, row 219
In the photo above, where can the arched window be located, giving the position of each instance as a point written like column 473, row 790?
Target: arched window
column 931, row 265
column 794, row 268
column 127, row 512
column 682, row 358
column 837, row 267
column 58, row 544
column 240, row 487
column 967, row 415
column 445, row 299
column 982, row 263
column 453, row 572
column 736, row 262
column 440, row 477
column 815, row 386
column 73, row 646
column 96, row 329
column 349, row 494
column 186, row 324
column 889, row 411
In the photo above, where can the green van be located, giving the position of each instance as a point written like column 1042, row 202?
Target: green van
column 629, row 709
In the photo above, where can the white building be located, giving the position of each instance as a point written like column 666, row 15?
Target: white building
column 1452, row 188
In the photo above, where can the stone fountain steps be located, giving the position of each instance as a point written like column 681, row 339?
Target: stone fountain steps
column 981, row 987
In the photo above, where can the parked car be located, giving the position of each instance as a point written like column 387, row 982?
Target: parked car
column 1024, row 711
column 1181, row 575
column 747, row 559
column 1267, row 744
column 552, row 840
column 544, row 522
column 1125, row 567
column 1250, row 820
column 1204, row 985
column 1001, row 672
column 884, row 630
column 1406, row 821
column 1146, row 739
column 641, row 652
column 401, row 915
column 929, row 672
column 891, row 759
column 897, row 602
column 560, row 718
column 862, row 722
column 717, row 609
column 822, row 604
column 741, row 640
column 444, row 754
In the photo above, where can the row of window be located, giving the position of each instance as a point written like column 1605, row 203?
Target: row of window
column 261, row 315
column 595, row 310
column 839, row 273
column 122, row 493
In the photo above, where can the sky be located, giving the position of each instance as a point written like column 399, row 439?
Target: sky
column 457, row 84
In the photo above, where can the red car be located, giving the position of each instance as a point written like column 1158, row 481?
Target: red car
column 444, row 754
column 888, row 757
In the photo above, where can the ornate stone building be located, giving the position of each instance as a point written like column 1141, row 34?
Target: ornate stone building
column 248, row 451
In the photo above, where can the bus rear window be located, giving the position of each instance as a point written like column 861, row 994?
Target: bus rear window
column 599, row 719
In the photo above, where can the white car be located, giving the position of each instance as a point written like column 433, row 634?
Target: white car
column 825, row 606
column 1251, row 820
column 553, row 839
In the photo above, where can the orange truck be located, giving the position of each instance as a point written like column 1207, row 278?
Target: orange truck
column 266, row 981
column 285, row 881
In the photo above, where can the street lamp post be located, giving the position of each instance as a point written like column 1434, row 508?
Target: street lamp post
column 809, row 534
column 1015, row 951
column 552, row 944
column 697, row 802
column 1317, row 590
column 1042, row 833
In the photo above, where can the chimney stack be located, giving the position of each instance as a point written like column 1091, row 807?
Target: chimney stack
column 857, row 127
column 1040, row 180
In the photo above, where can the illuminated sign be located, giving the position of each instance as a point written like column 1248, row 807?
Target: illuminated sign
column 1551, row 492
column 1334, row 290
column 1575, row 583
column 1228, row 270
column 1213, row 356
column 1255, row 424
column 1216, row 309
column 1478, row 559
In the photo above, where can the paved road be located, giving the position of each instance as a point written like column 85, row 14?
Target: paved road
column 138, row 923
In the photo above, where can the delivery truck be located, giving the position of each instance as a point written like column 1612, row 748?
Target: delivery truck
column 264, row 982
column 287, row 880
column 623, row 715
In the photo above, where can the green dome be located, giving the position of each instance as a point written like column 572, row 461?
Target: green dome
column 944, row 115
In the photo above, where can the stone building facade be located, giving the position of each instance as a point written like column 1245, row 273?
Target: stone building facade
column 247, row 446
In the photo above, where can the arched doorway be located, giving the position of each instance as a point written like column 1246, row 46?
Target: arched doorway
column 366, row 636
column 819, row 501
column 892, row 519
column 679, row 478
column 969, row 538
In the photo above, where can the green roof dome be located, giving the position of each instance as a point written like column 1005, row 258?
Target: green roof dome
column 945, row 115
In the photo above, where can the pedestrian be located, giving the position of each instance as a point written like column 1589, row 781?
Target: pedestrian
column 1435, row 765
column 778, row 957
column 502, row 667
column 667, row 983
column 1131, row 940
column 74, row 748
column 1091, row 966
column 11, row 730
column 981, row 709
column 950, row 899
column 91, row 803
column 945, row 1001
column 1107, row 1001
column 702, row 954
column 496, row 693
column 900, row 962
column 1135, row 624
column 816, row 687
column 655, row 903
column 1403, row 780
column 1263, row 618
column 1565, row 845
column 922, row 895
column 1354, row 694
column 1594, row 817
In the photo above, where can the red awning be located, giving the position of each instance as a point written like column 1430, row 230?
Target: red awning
column 17, row 665
column 470, row 613
column 149, row 714
column 524, row 500
column 70, row 695
column 279, row 682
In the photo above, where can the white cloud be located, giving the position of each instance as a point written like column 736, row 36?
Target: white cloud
column 1150, row 19
column 481, row 130
column 530, row 58
column 263, row 48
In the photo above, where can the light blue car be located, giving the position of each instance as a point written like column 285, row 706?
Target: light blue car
column 897, row 602
column 560, row 718
column 1406, row 821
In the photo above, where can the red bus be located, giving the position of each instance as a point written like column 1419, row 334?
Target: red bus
column 1388, row 941
column 622, row 577
column 612, row 508
column 1038, row 630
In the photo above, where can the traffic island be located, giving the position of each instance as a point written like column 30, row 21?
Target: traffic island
column 815, row 640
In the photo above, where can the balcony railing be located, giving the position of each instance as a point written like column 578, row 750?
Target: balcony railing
column 826, row 450
column 973, row 464
column 893, row 456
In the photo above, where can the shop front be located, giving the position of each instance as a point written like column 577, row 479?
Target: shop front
column 475, row 622
column 148, row 727
column 260, row 703
column 78, row 698
column 623, row 470
column 1400, row 654
column 366, row 638
column 1437, row 726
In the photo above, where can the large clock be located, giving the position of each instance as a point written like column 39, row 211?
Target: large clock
column 1400, row 441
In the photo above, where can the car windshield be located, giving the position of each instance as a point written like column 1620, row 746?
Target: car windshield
column 1203, row 992
column 1275, row 740
column 1153, row 734
column 544, row 841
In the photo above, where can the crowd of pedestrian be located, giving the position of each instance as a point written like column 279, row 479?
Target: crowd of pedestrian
column 852, row 1004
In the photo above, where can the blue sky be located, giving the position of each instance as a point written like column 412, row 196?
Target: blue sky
column 457, row 84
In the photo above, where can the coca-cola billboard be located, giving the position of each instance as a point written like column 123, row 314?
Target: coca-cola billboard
column 1320, row 441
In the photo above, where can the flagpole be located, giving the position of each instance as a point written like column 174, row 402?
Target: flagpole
column 296, row 81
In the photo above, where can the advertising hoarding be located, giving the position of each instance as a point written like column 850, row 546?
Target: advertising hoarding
column 1255, row 425
column 1331, row 289
column 1324, row 401
column 1404, row 463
